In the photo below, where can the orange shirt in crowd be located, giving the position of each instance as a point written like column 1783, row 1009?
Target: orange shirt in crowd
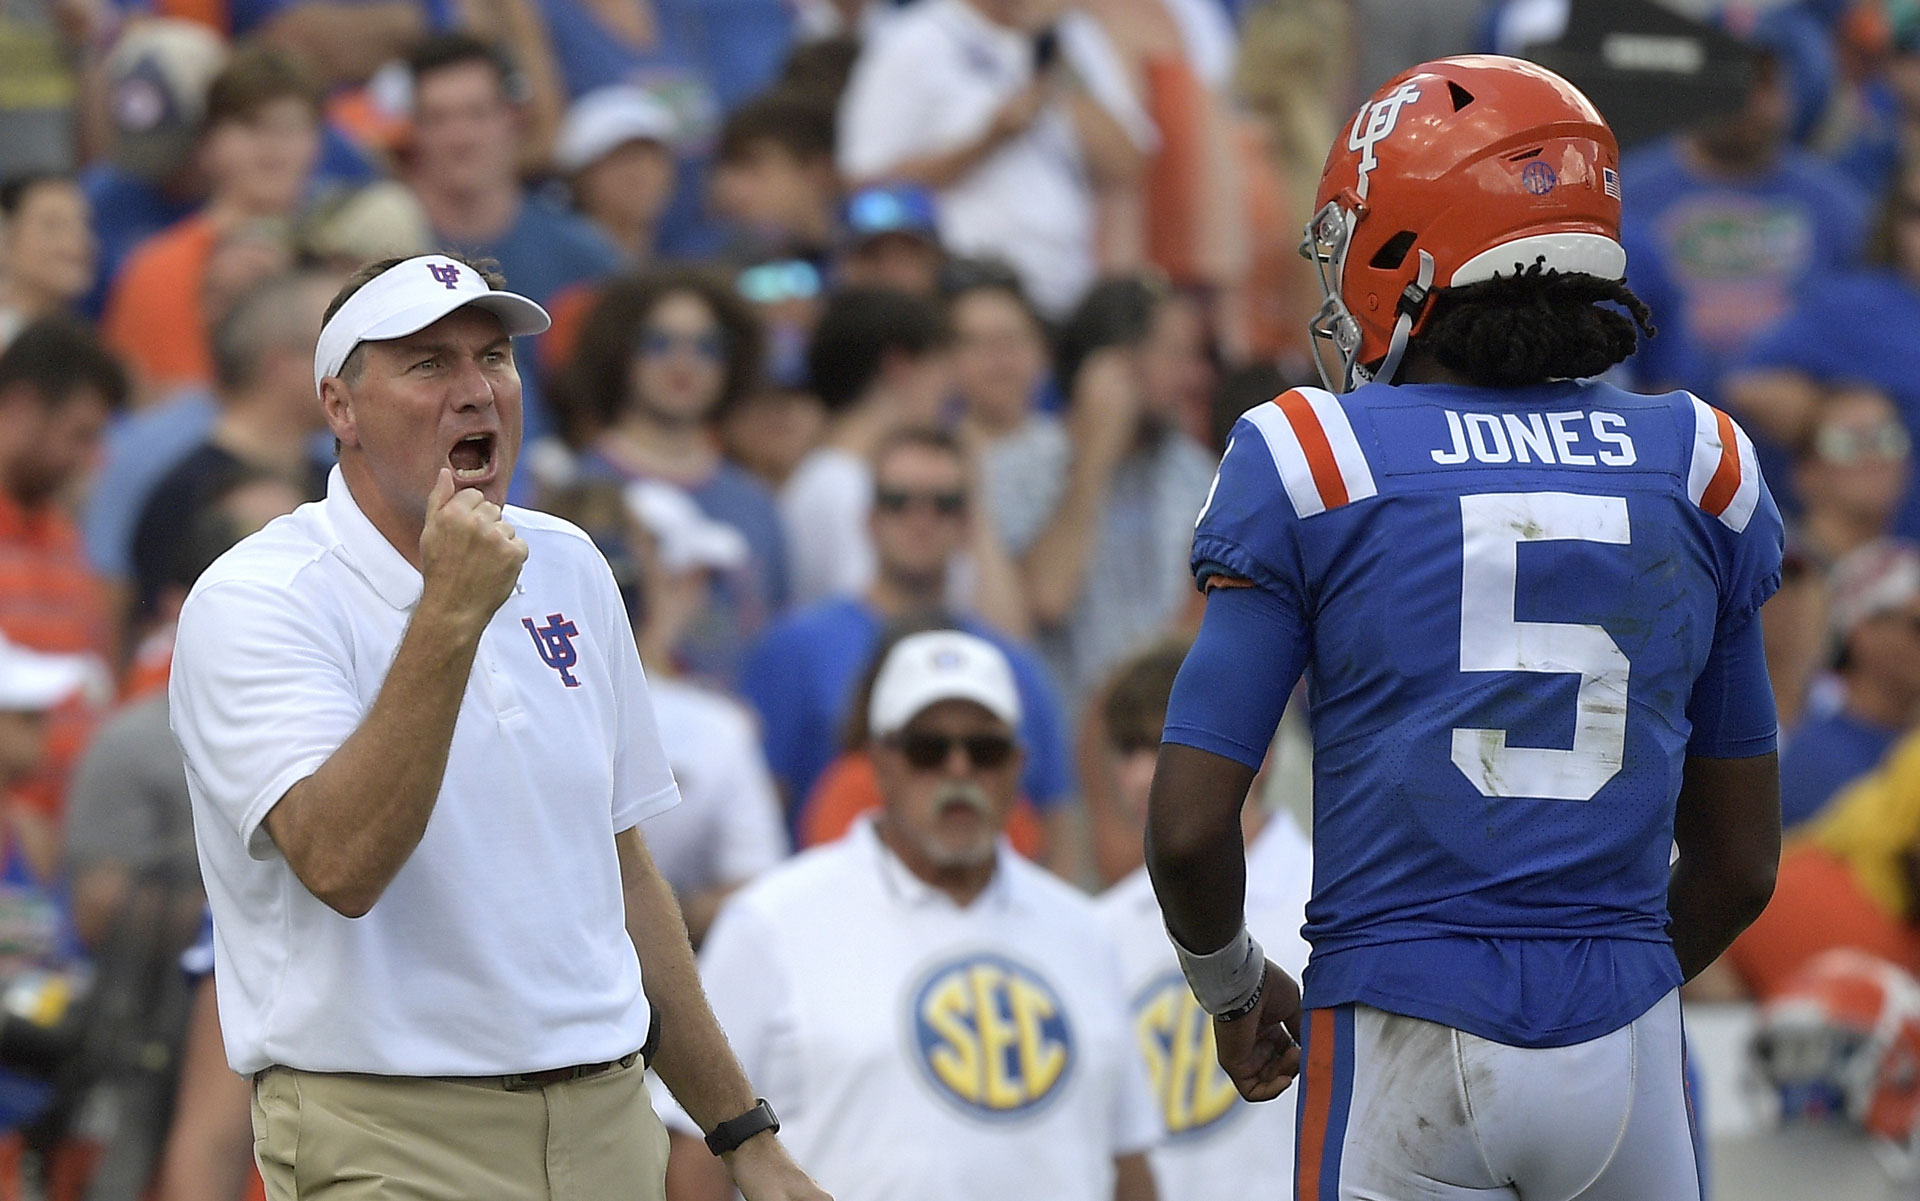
column 154, row 316
column 849, row 788
column 51, row 601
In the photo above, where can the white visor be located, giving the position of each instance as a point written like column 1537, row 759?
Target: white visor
column 407, row 298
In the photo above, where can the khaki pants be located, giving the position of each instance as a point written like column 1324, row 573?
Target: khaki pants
column 336, row 1137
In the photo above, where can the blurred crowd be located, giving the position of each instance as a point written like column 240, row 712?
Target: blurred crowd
column 868, row 318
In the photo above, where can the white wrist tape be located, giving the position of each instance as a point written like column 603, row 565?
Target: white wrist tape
column 1223, row 980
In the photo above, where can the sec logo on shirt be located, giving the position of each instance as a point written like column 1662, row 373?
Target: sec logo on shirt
column 991, row 1035
column 1176, row 1037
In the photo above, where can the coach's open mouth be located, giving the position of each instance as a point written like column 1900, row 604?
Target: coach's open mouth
column 472, row 459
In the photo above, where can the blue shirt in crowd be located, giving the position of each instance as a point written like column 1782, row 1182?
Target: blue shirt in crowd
column 803, row 674
column 1861, row 327
column 1823, row 755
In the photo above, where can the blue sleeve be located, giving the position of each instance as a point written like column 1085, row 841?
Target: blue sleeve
column 1235, row 682
column 767, row 683
column 1247, row 529
column 1048, row 778
column 1732, row 706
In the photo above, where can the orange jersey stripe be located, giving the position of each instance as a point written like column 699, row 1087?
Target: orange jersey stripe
column 1314, row 444
column 1726, row 477
column 1317, row 1105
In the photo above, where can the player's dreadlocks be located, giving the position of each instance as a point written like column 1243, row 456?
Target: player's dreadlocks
column 1534, row 326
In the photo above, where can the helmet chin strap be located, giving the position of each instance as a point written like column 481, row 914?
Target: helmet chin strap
column 1410, row 304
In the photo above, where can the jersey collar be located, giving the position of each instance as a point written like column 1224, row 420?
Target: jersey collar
column 367, row 550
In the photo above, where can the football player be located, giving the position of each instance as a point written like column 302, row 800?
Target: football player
column 1526, row 606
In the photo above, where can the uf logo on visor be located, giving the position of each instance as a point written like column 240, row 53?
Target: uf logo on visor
column 446, row 273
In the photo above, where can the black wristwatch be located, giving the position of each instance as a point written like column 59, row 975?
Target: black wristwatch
column 734, row 1131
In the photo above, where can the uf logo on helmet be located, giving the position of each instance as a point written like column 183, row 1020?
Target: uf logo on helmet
column 1374, row 122
column 991, row 1035
column 1176, row 1037
column 446, row 273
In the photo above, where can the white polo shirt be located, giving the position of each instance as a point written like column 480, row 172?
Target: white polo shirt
column 501, row 944
column 914, row 1048
column 1218, row 1147
column 932, row 78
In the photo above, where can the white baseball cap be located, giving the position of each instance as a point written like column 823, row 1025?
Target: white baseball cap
column 33, row 682
column 408, row 297
column 609, row 117
column 689, row 539
column 941, row 665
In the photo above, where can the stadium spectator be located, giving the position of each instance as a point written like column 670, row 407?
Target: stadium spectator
column 257, row 150
column 268, row 416
column 878, row 362
column 142, row 446
column 1000, row 366
column 1106, row 573
column 616, row 150
column 1852, row 472
column 208, row 1155
column 773, row 182
column 890, row 239
column 1214, row 1147
column 1876, row 621
column 729, row 825
column 155, row 82
column 891, row 964
column 661, row 357
column 58, row 387
column 802, row 674
column 1794, row 624
column 771, row 431
column 46, row 250
column 462, row 162
column 1028, row 133
column 1868, row 321
column 1724, row 224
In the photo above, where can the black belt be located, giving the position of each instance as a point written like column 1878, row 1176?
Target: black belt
column 580, row 1071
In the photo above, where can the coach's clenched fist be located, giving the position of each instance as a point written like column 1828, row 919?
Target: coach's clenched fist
column 469, row 554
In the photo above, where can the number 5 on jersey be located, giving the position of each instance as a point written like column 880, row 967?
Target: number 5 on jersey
column 1493, row 525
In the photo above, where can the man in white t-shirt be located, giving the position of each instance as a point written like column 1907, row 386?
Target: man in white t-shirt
column 1218, row 1147
column 1021, row 123
column 937, row 1019
column 418, row 744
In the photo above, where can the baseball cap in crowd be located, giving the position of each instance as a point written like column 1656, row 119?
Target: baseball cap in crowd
column 378, row 220
column 157, row 76
column 941, row 665
column 406, row 298
column 607, row 118
column 1880, row 577
column 33, row 682
column 894, row 208
column 688, row 539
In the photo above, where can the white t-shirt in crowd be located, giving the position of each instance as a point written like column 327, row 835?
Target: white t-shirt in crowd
column 823, row 509
column 914, row 1048
column 1218, row 1147
column 501, row 945
column 728, row 826
column 931, row 80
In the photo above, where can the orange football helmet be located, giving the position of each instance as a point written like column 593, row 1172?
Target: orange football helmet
column 1456, row 171
column 1841, row 1039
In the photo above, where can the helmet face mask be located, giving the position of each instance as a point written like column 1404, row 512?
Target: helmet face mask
column 1456, row 171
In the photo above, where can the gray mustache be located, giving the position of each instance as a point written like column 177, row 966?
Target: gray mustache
column 964, row 793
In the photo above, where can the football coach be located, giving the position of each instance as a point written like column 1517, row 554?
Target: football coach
column 418, row 744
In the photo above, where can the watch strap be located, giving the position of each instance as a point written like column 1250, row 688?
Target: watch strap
column 731, row 1133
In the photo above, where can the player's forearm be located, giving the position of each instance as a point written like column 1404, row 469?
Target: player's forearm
column 694, row 1060
column 1055, row 565
column 1195, row 853
column 347, row 829
column 1727, row 826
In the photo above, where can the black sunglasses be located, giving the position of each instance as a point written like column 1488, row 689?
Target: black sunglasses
column 947, row 504
column 929, row 752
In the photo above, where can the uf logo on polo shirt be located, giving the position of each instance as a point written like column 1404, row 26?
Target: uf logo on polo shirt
column 991, row 1035
column 1176, row 1037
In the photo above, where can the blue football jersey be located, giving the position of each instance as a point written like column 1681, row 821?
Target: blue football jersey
column 1502, row 600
